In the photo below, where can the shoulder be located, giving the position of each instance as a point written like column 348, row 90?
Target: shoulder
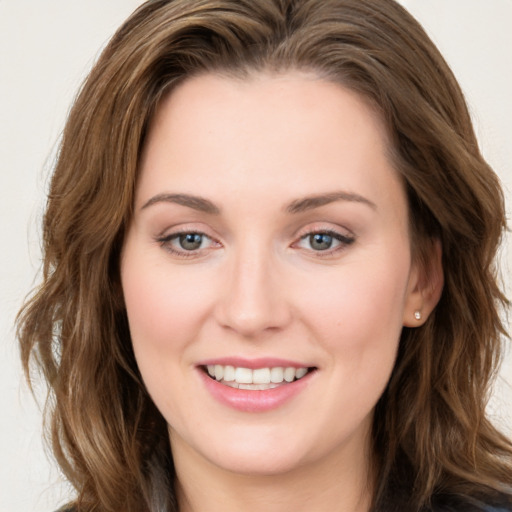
column 501, row 505
column 507, row 508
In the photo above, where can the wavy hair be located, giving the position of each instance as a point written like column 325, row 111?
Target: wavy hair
column 432, row 440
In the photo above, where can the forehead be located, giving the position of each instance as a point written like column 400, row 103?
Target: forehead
column 275, row 135
column 281, row 102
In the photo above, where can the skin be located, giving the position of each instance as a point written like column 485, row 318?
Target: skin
column 257, row 287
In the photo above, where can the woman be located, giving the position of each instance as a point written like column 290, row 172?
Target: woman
column 269, row 277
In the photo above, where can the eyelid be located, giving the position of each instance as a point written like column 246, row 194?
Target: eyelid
column 343, row 236
column 344, row 239
column 169, row 235
column 325, row 227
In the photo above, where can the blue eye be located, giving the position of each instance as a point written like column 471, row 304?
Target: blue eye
column 186, row 243
column 320, row 241
column 190, row 241
column 324, row 241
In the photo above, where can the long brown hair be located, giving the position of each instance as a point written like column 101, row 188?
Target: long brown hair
column 432, row 440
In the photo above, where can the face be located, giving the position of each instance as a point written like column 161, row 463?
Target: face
column 267, row 271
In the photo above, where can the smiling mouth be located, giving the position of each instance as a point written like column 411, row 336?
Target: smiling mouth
column 257, row 379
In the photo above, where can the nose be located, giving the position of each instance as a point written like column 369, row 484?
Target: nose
column 253, row 301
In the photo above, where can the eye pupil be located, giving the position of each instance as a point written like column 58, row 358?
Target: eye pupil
column 320, row 241
column 191, row 241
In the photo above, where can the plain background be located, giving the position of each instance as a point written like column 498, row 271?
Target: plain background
column 46, row 48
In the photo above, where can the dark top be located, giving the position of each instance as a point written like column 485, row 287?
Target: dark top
column 490, row 509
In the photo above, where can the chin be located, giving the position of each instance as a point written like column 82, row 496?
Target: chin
column 260, row 464
column 253, row 455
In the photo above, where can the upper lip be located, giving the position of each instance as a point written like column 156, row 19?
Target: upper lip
column 260, row 362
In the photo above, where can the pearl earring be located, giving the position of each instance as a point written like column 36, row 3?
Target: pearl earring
column 417, row 315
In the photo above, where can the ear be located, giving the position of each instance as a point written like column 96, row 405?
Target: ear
column 425, row 285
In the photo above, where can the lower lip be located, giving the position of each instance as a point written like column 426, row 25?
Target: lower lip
column 255, row 400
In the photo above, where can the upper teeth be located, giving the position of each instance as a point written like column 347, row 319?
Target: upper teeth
column 240, row 375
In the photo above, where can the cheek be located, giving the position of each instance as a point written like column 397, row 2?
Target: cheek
column 165, row 305
column 358, row 321
column 359, row 311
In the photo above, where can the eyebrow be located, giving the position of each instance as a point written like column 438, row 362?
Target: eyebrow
column 297, row 206
column 311, row 202
column 195, row 202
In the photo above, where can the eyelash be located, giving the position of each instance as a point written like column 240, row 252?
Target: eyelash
column 344, row 241
column 165, row 242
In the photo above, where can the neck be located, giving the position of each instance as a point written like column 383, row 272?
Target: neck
column 334, row 484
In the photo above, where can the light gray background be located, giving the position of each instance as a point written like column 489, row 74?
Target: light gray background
column 46, row 48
